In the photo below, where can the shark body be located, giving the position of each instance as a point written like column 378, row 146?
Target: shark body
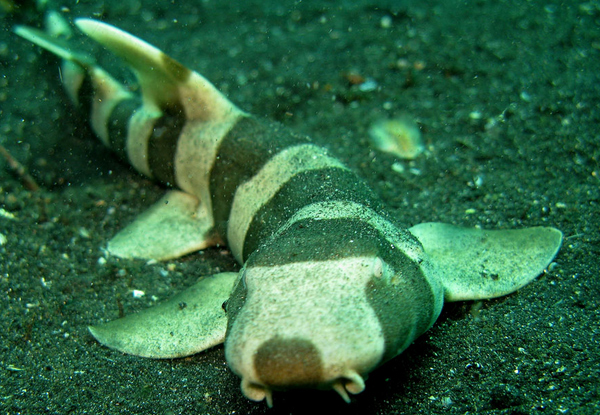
column 330, row 287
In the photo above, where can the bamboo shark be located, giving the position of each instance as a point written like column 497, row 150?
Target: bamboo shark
column 331, row 286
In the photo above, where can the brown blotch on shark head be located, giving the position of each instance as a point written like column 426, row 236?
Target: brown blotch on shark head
column 283, row 363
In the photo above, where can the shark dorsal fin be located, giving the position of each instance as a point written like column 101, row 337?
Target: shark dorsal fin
column 164, row 81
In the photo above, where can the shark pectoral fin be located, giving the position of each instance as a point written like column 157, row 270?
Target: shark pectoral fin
column 188, row 323
column 174, row 226
column 164, row 81
column 476, row 263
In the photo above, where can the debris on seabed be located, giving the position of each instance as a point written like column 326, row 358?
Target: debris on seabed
column 19, row 170
column 400, row 136
column 386, row 22
column 7, row 215
column 398, row 167
column 369, row 85
column 138, row 293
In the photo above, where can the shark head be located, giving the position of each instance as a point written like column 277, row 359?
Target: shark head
column 323, row 315
column 304, row 324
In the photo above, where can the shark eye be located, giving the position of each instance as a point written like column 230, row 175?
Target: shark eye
column 378, row 268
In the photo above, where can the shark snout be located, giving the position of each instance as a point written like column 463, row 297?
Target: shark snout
column 296, row 328
column 289, row 363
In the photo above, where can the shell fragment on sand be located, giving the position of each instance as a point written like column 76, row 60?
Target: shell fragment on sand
column 399, row 136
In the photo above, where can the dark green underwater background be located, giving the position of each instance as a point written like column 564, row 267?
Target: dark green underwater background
column 506, row 93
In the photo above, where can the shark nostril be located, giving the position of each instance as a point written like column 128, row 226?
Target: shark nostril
column 293, row 362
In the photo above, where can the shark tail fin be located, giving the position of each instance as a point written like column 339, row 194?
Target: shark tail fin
column 90, row 87
column 55, row 39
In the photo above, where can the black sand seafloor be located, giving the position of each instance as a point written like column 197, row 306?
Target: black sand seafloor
column 507, row 95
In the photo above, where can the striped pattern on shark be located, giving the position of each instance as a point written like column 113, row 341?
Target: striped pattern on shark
column 330, row 287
